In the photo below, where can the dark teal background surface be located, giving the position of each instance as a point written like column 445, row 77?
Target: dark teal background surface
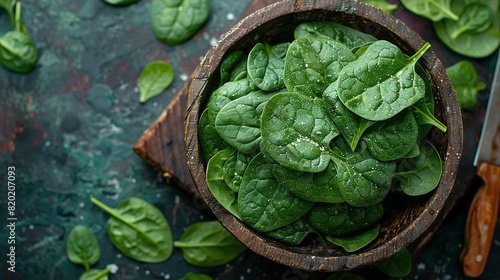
column 69, row 126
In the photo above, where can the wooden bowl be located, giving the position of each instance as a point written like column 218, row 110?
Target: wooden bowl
column 409, row 218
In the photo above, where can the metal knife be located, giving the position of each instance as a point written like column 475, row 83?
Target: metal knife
column 483, row 212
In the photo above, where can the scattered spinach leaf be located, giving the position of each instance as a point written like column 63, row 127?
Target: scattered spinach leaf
column 475, row 18
column 217, row 185
column 398, row 265
column 421, row 174
column 349, row 36
column 312, row 64
column 154, row 79
column 17, row 52
column 266, row 64
column 95, row 274
column 296, row 131
column 433, row 10
column 199, row 276
column 139, row 230
column 121, row 2
column 82, row 247
column 379, row 95
column 263, row 203
column 356, row 241
column 465, row 82
column 208, row 244
column 175, row 21
column 383, row 5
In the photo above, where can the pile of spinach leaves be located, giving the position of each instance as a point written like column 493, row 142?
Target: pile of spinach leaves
column 468, row 27
column 310, row 136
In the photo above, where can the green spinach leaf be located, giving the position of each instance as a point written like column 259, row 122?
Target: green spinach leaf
column 466, row 43
column 217, row 185
column 381, row 82
column 383, row 5
column 346, row 35
column 316, row 187
column 121, row 2
column 393, row 138
column 313, row 63
column 175, row 21
column 421, row 174
column 154, row 79
column 266, row 64
column 18, row 53
column 292, row 234
column 296, row 131
column 263, row 203
column 234, row 169
column 233, row 67
column 465, row 82
column 475, row 18
column 226, row 93
column 82, row 247
column 210, row 140
column 398, row 265
column 194, row 276
column 433, row 10
column 351, row 126
column 95, row 274
column 238, row 122
column 139, row 230
column 356, row 241
column 208, row 244
column 362, row 180
column 338, row 219
column 8, row 5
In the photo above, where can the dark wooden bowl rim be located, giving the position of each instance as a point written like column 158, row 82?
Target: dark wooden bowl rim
column 416, row 217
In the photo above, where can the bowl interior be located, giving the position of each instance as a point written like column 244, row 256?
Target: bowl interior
column 406, row 218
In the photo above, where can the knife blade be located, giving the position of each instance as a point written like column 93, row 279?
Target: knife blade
column 483, row 212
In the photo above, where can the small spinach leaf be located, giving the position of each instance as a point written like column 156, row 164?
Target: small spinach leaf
column 194, row 276
column 356, row 241
column 421, row 174
column 210, row 140
column 95, row 274
column 18, row 52
column 175, row 21
column 292, row 234
column 266, row 64
column 316, row 187
column 208, row 244
column 296, row 131
column 381, row 82
column 383, row 5
column 121, row 2
column 263, row 203
column 346, row 35
column 433, row 10
column 475, row 18
column 238, row 122
column 216, row 183
column 139, row 230
column 313, row 63
column 398, row 265
column 82, row 247
column 465, row 82
column 393, row 138
column 154, row 79
column 338, row 219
